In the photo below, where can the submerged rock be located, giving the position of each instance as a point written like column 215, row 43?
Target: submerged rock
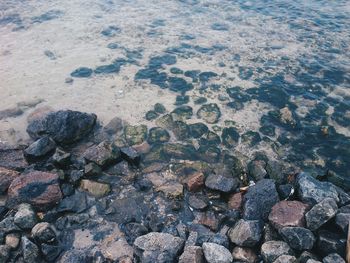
column 221, row 183
column 210, row 113
column 321, row 213
column 230, row 137
column 82, row 72
column 159, row 108
column 158, row 135
column 135, row 134
column 103, row 154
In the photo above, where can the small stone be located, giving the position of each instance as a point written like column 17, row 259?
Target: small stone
column 298, row 238
column 151, row 115
column 25, row 217
column 103, row 154
column 271, row 250
column 257, row 170
column 313, row 261
column 135, row 134
column 333, row 258
column 195, row 181
column 230, row 137
column 30, row 251
column 244, row 254
column 131, row 155
column 40, row 148
column 285, row 190
column 82, row 72
column 210, row 113
column 6, row 177
column 246, row 233
column 235, row 201
column 182, row 113
column 215, row 253
column 75, row 176
column 4, row 253
column 159, row 108
column 51, row 252
column 12, row 240
column 94, row 188
column 321, row 213
column 342, row 221
column 12, row 158
column 305, row 256
column 158, row 135
column 329, row 242
column 192, row 254
column 197, row 130
column 73, row 256
column 207, row 219
column 43, row 233
column 92, row 169
column 286, row 259
column 274, row 170
column 197, row 202
column 61, row 157
column 171, row 190
column 288, row 213
column 221, row 183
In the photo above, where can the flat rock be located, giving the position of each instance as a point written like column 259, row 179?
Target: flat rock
column 244, row 254
column 192, row 254
column 102, row 154
column 271, row 250
column 6, row 177
column 246, row 233
column 40, row 189
column 298, row 238
column 321, row 213
column 94, row 188
column 215, row 253
column 221, row 183
column 40, row 148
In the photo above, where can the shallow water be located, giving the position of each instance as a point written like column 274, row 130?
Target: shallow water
column 252, row 58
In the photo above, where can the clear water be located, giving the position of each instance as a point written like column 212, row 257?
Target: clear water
column 272, row 54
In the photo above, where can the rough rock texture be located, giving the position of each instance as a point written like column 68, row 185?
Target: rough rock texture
column 221, row 183
column 259, row 200
column 94, row 188
column 235, row 201
column 312, row 191
column 103, row 154
column 40, row 189
column 25, row 217
column 333, row 258
column 43, row 232
column 192, row 254
column 40, row 148
column 246, row 233
column 73, row 256
column 243, row 254
column 298, row 238
column 271, row 250
column 215, row 253
column 285, row 259
column 30, row 251
column 330, row 242
column 342, row 221
column 321, row 213
column 64, row 127
column 288, row 213
column 12, row 157
column 195, row 181
column 4, row 253
column 6, row 177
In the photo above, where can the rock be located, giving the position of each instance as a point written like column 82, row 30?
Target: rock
column 197, row 202
column 12, row 157
column 43, row 233
column 192, row 254
column 313, row 261
column 158, row 246
column 342, row 221
column 8, row 226
column 259, row 200
column 210, row 113
column 306, row 255
column 40, row 148
column 40, row 189
column 271, row 250
column 230, row 137
column 171, row 190
column 131, row 155
column 30, row 251
column 298, row 238
column 151, row 115
column 274, row 170
column 92, row 169
column 246, row 233
column 329, row 242
column 270, row 233
column 61, row 158
column 73, row 256
column 102, row 154
column 215, row 253
column 221, row 183
column 207, row 219
column 182, row 113
column 65, row 127
column 321, row 213
column 198, row 129
column 312, row 191
column 288, row 213
column 50, row 252
column 256, row 169
column 82, row 72
column 333, row 258
column 244, row 255
column 158, row 135
column 134, row 230
column 4, row 253
column 159, row 108
column 235, row 201
column 94, row 188
column 25, row 217
column 285, row 259
column 75, row 176
column 195, row 181
column 285, row 190
column 135, row 134
column 6, row 177
column 12, row 240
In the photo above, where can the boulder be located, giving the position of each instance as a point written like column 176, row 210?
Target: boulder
column 246, row 233
column 6, row 177
column 321, row 213
column 271, row 250
column 298, row 238
column 215, row 253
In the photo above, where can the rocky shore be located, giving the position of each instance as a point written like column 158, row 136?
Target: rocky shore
column 82, row 192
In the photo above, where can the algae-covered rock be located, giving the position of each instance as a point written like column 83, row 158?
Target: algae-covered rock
column 180, row 151
column 135, row 134
column 198, row 129
column 165, row 122
column 230, row 137
column 210, row 113
column 159, row 108
column 151, row 115
column 182, row 113
column 180, row 130
column 158, row 135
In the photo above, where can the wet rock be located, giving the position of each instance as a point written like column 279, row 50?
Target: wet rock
column 306, row 255
column 198, row 129
column 246, row 233
column 102, row 154
column 151, row 115
column 64, row 127
column 321, row 213
column 215, row 253
column 210, row 113
column 6, row 177
column 329, row 242
column 50, row 252
column 180, row 151
column 12, row 157
column 192, row 254
column 76, row 203
column 179, row 85
column 82, row 72
column 30, row 251
column 221, row 183
column 244, row 254
column 43, row 233
column 171, row 190
column 271, row 250
column 131, row 155
column 92, row 169
column 182, row 113
column 342, row 221
column 135, row 134
column 73, row 256
column 94, row 188
column 197, row 202
column 158, row 135
column 298, row 238
column 257, row 170
column 285, row 259
column 61, row 158
column 235, row 201
column 312, row 191
column 195, row 181
column 230, row 137
column 180, row 130
column 40, row 148
column 288, row 213
column 251, row 138
column 25, row 216
column 40, row 189
column 159, row 247
column 12, row 240
column 267, row 130
column 165, row 122
column 180, row 99
column 286, row 117
column 285, row 190
column 259, row 200
column 274, row 170
column 333, row 258
column 159, row 108
column 4, row 253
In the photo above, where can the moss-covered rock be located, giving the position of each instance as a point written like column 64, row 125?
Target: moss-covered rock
column 135, row 134
column 198, row 129
column 165, row 122
column 182, row 113
column 180, row 130
column 230, row 137
column 210, row 113
column 159, row 108
column 158, row 135
column 180, row 151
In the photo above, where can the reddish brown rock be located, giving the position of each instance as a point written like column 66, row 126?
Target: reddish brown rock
column 235, row 201
column 195, row 182
column 6, row 177
column 288, row 213
column 40, row 189
column 192, row 254
column 207, row 219
column 12, row 157
column 244, row 254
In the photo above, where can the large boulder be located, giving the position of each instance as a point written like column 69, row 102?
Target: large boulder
column 65, row 127
column 40, row 189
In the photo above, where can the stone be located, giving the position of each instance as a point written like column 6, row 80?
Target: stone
column 198, row 129
column 259, row 200
column 306, row 255
column 12, row 157
column 321, row 213
column 73, row 256
column 180, row 130
column 94, row 188
column 246, row 233
column 333, row 258
column 182, row 113
column 285, row 190
column 92, row 169
column 215, row 253
column 192, row 254
column 157, row 246
column 8, row 226
column 75, row 176
column 286, row 259
column 298, row 238
column 197, row 202
column 271, row 250
column 342, row 221
column 208, row 219
column 61, row 158
column 244, row 255
column 135, row 134
column 235, row 201
column 256, row 169
column 274, row 170
column 40, row 148
column 330, row 242
column 30, row 251
column 43, row 233
column 210, row 113
column 65, row 127
column 6, row 177
column 159, row 108
column 130, row 155
column 221, row 183
column 12, row 240
column 288, row 213
column 230, row 137
column 151, row 115
column 195, row 182
column 312, row 191
column 40, row 189
column 4, row 253
column 51, row 252
column 134, row 230
column 25, row 216
column 102, row 154
column 82, row 72
column 313, row 261
column 158, row 135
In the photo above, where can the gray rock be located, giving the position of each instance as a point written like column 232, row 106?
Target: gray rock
column 321, row 213
column 274, row 170
column 298, row 238
column 246, row 233
column 197, row 202
column 4, row 253
column 330, row 242
column 342, row 221
column 43, row 232
column 30, row 251
column 257, row 170
column 312, row 191
column 61, row 157
column 313, row 261
column 7, row 226
column 333, row 258
column 221, row 183
column 259, row 200
column 192, row 254
column 215, row 253
column 12, row 240
column 25, row 217
column 73, row 256
column 102, row 154
column 40, row 148
column 271, row 250
column 244, row 255
column 305, row 256
column 285, row 259
column 50, row 252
